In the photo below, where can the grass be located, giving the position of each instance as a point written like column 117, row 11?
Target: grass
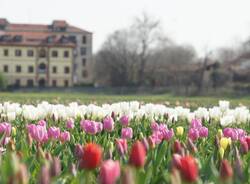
column 84, row 98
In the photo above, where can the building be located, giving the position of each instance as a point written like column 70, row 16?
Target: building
column 58, row 55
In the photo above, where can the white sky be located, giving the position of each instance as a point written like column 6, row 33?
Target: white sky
column 206, row 24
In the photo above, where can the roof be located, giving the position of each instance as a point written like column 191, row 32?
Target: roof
column 41, row 27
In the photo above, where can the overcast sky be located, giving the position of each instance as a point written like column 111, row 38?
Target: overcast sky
column 206, row 24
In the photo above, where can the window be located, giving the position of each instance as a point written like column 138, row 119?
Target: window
column 54, row 69
column 84, row 62
column 66, row 83
column 18, row 52
column 42, row 68
column 83, row 51
column 54, row 53
column 6, row 52
column 42, row 53
column 6, row 68
column 54, row 84
column 84, row 73
column 84, row 40
column 17, row 84
column 30, row 83
column 18, row 69
column 66, row 69
column 31, row 69
column 30, row 53
column 66, row 54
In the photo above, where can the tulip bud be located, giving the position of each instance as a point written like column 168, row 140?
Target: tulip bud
column 176, row 161
column 44, row 177
column 179, row 130
column 220, row 133
column 226, row 171
column 238, row 164
column 127, row 176
column 78, row 151
column 137, row 155
column 109, row 172
column 243, row 147
column 151, row 142
column 55, row 168
column 13, row 130
column 22, row 175
column 225, row 142
column 177, row 147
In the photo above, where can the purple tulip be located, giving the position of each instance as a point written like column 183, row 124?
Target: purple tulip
column 108, row 124
column 154, row 126
column 196, row 123
column 70, row 124
column 193, row 133
column 124, row 120
column 42, row 123
column 38, row 132
column 54, row 133
column 5, row 128
column 168, row 134
column 203, row 132
column 65, row 136
column 234, row 133
column 127, row 133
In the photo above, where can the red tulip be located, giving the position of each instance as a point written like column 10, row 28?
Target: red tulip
column 226, row 171
column 189, row 169
column 92, row 156
column 109, row 172
column 177, row 146
column 137, row 155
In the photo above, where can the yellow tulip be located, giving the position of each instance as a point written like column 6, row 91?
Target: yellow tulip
column 220, row 133
column 224, row 142
column 13, row 130
column 221, row 152
column 179, row 130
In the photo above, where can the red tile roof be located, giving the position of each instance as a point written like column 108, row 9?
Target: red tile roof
column 41, row 27
column 38, row 34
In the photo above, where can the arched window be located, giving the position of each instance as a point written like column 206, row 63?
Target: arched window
column 42, row 68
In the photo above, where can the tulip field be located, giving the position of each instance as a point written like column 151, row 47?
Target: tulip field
column 124, row 142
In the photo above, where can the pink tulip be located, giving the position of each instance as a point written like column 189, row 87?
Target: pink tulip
column 109, row 172
column 91, row 127
column 154, row 126
column 203, row 132
column 108, row 124
column 193, row 133
column 5, row 128
column 127, row 133
column 196, row 123
column 70, row 124
column 38, row 132
column 124, row 120
column 122, row 146
column 168, row 134
column 234, row 133
column 65, row 136
column 42, row 123
column 54, row 133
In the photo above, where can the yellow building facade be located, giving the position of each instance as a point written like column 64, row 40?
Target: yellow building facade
column 30, row 66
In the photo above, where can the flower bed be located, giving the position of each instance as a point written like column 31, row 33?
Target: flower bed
column 124, row 142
